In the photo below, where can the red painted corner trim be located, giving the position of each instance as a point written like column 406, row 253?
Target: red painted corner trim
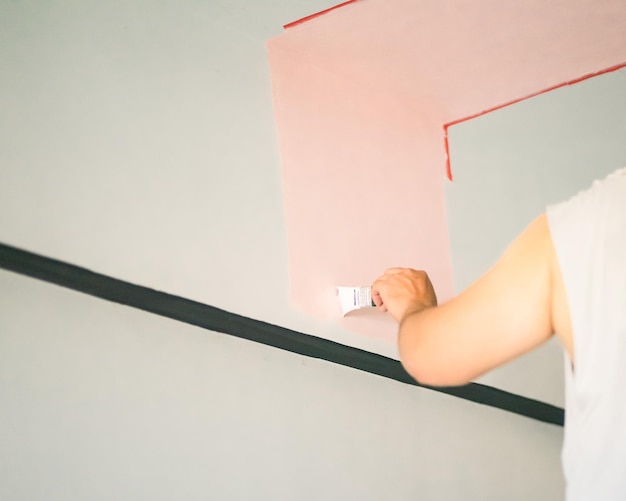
column 317, row 14
column 481, row 113
column 447, row 149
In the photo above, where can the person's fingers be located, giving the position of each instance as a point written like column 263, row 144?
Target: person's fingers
column 378, row 301
column 376, row 295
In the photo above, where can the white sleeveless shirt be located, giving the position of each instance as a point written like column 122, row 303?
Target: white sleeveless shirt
column 589, row 236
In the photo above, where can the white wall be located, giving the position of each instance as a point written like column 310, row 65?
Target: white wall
column 137, row 139
column 102, row 402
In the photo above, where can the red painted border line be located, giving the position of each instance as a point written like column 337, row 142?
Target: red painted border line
column 447, row 149
column 317, row 14
column 495, row 108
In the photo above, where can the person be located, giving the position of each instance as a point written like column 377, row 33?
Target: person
column 565, row 275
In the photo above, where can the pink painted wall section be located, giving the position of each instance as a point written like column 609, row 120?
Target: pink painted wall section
column 362, row 95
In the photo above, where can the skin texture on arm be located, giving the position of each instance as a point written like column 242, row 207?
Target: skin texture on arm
column 506, row 313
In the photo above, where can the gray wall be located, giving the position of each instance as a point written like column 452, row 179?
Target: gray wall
column 103, row 402
column 137, row 139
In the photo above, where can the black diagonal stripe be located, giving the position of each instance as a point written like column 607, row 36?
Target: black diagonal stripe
column 214, row 319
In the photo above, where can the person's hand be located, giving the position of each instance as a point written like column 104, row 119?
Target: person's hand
column 402, row 291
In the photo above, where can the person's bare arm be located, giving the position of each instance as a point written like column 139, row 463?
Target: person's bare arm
column 504, row 314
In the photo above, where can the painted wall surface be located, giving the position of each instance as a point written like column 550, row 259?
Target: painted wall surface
column 363, row 96
column 137, row 139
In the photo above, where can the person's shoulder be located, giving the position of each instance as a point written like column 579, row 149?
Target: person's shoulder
column 598, row 192
column 576, row 217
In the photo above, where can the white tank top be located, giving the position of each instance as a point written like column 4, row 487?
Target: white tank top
column 589, row 236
